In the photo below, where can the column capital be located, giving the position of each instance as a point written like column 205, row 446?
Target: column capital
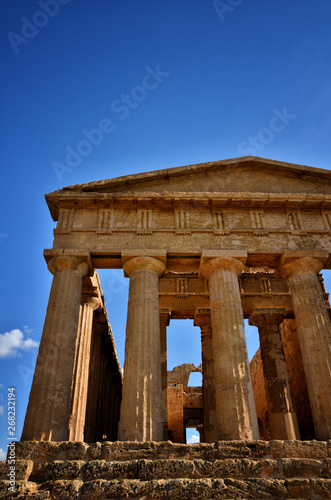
column 212, row 260
column 91, row 291
column 302, row 261
column 91, row 297
column 143, row 264
column 165, row 315
column 144, row 260
column 262, row 316
column 63, row 259
column 157, row 253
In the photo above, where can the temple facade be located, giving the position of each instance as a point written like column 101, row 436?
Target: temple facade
column 215, row 242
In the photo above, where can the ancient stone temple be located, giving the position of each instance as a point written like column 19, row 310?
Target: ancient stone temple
column 214, row 242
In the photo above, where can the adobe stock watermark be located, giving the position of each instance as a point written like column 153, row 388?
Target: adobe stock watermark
column 121, row 107
column 3, row 236
column 265, row 135
column 222, row 7
column 31, row 27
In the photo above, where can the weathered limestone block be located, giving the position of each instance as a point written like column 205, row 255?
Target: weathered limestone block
column 298, row 488
column 23, row 469
column 204, row 451
column 320, row 488
column 101, row 469
column 304, row 467
column 164, row 469
column 141, row 408
column 57, row 470
column 24, row 489
column 243, row 449
column 305, row 449
column 95, row 450
column 129, row 450
column 236, row 415
column 73, row 451
column 257, row 488
column 38, row 451
column 66, row 489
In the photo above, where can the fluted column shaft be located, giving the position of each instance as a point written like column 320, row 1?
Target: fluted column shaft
column 164, row 322
column 48, row 414
column 203, row 320
column 235, row 405
column 282, row 416
column 314, row 333
column 141, row 408
column 90, row 302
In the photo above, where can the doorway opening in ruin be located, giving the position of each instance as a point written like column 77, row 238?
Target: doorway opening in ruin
column 183, row 343
column 192, row 435
column 195, row 379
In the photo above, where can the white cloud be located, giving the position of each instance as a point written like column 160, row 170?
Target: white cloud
column 1, row 410
column 13, row 342
column 193, row 439
column 2, row 454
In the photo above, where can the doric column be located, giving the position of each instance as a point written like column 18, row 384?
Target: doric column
column 141, row 408
column 164, row 322
column 202, row 319
column 235, row 405
column 48, row 413
column 90, row 301
column 314, row 331
column 282, row 416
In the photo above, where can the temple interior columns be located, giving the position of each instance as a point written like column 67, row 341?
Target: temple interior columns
column 141, row 408
column 236, row 415
column 90, row 302
column 202, row 319
column 49, row 408
column 314, row 331
column 283, row 420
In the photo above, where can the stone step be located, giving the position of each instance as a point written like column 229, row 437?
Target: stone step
column 147, row 470
column 231, row 469
column 41, row 451
column 183, row 488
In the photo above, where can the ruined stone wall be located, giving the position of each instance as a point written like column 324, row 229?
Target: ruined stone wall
column 176, row 412
column 297, row 378
column 260, row 396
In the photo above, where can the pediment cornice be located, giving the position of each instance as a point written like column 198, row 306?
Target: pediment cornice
column 238, row 182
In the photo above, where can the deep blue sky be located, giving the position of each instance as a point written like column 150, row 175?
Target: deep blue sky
column 225, row 76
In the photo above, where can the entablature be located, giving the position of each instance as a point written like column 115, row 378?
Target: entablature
column 183, row 293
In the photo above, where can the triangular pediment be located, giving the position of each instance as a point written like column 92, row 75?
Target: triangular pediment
column 238, row 175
